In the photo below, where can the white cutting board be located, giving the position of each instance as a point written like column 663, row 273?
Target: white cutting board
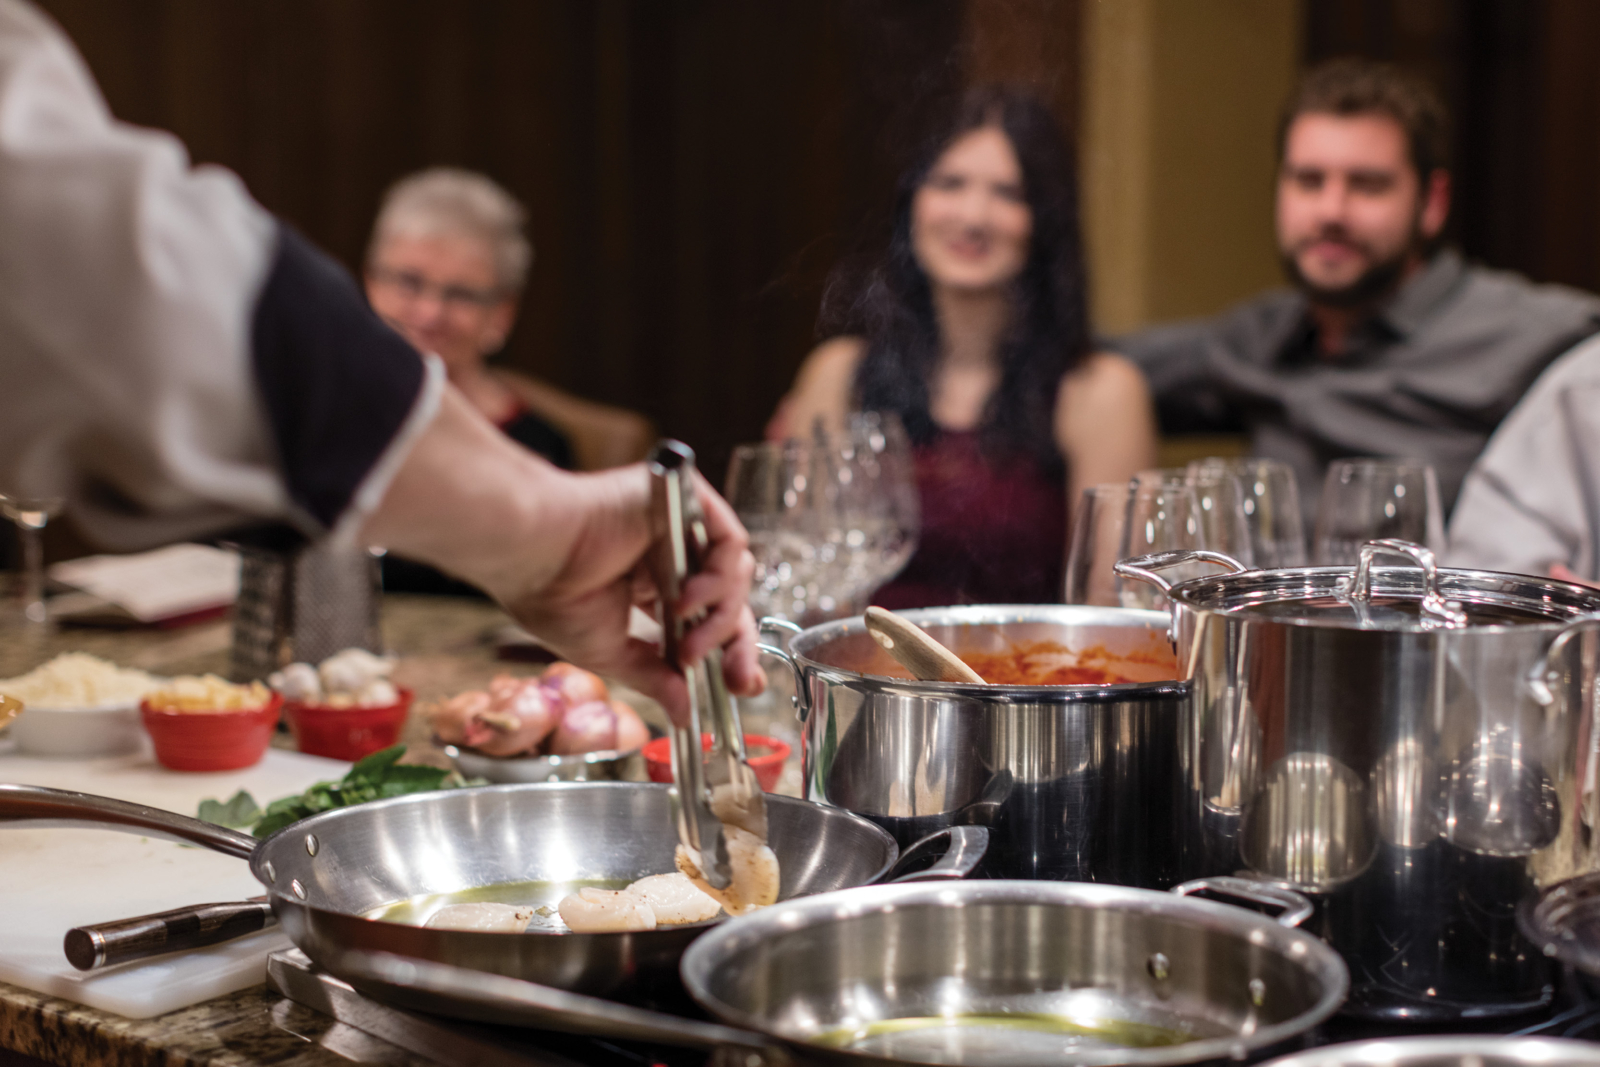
column 53, row 880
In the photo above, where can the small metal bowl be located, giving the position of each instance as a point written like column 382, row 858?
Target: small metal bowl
column 603, row 766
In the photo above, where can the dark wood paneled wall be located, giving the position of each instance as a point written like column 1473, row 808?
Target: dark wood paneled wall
column 692, row 168
column 1522, row 78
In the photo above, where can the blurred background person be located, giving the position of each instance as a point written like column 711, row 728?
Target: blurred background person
column 971, row 326
column 1531, row 504
column 1386, row 344
column 446, row 267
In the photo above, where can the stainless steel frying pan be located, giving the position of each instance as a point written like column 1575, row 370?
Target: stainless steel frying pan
column 327, row 874
column 977, row 973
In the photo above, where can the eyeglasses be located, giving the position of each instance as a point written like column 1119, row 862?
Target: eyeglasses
column 414, row 286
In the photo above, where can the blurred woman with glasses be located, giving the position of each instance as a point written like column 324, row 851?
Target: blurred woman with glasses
column 446, row 266
column 972, row 326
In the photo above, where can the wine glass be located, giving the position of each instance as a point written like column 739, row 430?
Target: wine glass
column 1363, row 499
column 779, row 491
column 31, row 514
column 1271, row 505
column 1116, row 522
column 1222, row 506
column 877, row 504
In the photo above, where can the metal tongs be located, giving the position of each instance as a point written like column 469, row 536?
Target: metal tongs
column 721, row 787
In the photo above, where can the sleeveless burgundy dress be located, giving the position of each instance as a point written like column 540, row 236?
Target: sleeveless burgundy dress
column 993, row 532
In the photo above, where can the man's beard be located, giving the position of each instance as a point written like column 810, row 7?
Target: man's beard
column 1376, row 282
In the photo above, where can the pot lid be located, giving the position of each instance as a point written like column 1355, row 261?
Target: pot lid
column 1417, row 597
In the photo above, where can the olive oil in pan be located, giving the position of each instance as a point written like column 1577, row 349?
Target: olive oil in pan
column 1020, row 1038
column 542, row 896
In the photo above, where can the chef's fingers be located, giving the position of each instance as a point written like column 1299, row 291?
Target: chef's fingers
column 643, row 668
column 729, row 618
column 741, row 663
column 727, row 567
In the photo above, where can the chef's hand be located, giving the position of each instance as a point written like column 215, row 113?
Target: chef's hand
column 566, row 553
column 582, row 610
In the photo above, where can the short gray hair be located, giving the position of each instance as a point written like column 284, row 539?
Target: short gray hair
column 448, row 200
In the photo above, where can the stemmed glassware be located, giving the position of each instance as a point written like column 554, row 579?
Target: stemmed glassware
column 831, row 517
column 876, row 509
column 778, row 490
column 1270, row 501
column 31, row 514
column 1115, row 522
column 1363, row 499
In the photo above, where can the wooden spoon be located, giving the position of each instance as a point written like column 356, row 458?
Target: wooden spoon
column 913, row 649
column 10, row 708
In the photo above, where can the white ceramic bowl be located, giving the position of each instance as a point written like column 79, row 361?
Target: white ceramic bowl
column 77, row 733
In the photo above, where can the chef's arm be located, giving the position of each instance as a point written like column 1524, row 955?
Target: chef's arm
column 563, row 552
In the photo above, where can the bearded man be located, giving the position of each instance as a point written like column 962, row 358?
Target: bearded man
column 1387, row 344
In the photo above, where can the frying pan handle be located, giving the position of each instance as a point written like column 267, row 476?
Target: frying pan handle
column 34, row 805
column 964, row 847
column 512, row 1000
column 104, row 944
column 802, row 695
column 1294, row 909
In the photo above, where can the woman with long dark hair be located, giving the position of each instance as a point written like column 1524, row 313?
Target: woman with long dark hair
column 972, row 327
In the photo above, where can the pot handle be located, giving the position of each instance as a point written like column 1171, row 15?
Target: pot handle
column 1434, row 604
column 1144, row 568
column 1294, row 909
column 513, row 1000
column 964, row 847
column 36, row 806
column 802, row 695
column 1543, row 672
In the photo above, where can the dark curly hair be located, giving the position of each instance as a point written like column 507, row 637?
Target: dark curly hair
column 885, row 298
column 1351, row 85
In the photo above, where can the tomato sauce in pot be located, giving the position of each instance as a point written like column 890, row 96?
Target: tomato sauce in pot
column 1051, row 663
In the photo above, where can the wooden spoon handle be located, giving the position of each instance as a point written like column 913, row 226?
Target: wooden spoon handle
column 918, row 653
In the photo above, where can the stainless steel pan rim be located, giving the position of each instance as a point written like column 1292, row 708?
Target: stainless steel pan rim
column 717, row 948
column 281, row 887
column 1479, row 1050
column 984, row 615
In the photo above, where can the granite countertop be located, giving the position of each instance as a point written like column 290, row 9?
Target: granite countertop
column 446, row 644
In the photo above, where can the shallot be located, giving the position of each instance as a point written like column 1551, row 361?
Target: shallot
column 520, row 715
column 573, row 684
column 590, row 727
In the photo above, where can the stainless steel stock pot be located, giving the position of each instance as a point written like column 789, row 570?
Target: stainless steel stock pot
column 1075, row 782
column 1407, row 744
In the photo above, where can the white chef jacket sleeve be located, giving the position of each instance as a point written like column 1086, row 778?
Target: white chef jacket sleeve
column 172, row 360
column 1533, row 498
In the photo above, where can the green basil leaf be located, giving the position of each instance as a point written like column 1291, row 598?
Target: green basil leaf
column 240, row 811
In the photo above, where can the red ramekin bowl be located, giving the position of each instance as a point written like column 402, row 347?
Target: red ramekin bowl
column 768, row 765
column 211, row 740
column 346, row 733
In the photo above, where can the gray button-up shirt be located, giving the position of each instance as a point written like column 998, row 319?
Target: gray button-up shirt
column 1428, row 377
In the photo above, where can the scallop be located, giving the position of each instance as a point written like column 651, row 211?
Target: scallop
column 606, row 911
column 674, row 899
